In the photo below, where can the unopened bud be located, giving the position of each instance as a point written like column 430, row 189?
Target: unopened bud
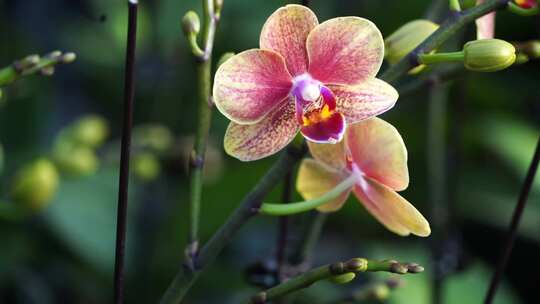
column 77, row 160
column 69, row 57
column 90, row 131
column 47, row 71
column 218, row 5
column 488, row 55
column 35, row 184
column 54, row 54
column 381, row 292
column 191, row 24
column 153, row 136
column 407, row 38
column 224, row 58
column 357, row 265
column 146, row 166
column 343, row 278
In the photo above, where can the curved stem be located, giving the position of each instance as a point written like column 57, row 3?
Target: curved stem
column 448, row 28
column 356, row 265
column 298, row 207
column 441, row 57
column 187, row 276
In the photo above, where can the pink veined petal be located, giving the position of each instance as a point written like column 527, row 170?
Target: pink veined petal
column 332, row 155
column 345, row 50
column 250, row 85
column 378, row 151
column 365, row 100
column 485, row 26
column 315, row 179
column 392, row 210
column 256, row 141
column 286, row 31
column 329, row 130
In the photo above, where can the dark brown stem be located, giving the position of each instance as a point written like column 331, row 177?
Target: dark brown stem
column 121, row 217
column 511, row 234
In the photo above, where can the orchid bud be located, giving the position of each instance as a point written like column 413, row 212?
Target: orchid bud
column 224, row 57
column 146, row 166
column 69, row 57
column 77, row 161
column 407, row 38
column 153, row 136
column 90, row 131
column 488, row 55
column 218, row 5
column 191, row 24
column 381, row 292
column 35, row 184
column 343, row 278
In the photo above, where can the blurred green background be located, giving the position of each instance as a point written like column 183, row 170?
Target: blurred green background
column 63, row 253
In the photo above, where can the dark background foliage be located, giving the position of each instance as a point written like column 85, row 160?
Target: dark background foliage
column 65, row 253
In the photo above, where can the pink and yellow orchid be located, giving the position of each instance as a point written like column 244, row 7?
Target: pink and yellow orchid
column 308, row 77
column 374, row 156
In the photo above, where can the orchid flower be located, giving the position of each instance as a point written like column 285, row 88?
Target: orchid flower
column 374, row 158
column 308, row 77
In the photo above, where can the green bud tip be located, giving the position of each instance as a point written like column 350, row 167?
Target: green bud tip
column 69, row 57
column 343, row 278
column 54, row 54
column 77, row 160
column 31, row 60
column 146, row 166
column 153, row 136
column 35, row 184
column 218, row 5
column 399, row 268
column 357, row 265
column 407, row 38
column 488, row 55
column 225, row 57
column 381, row 292
column 47, row 71
column 191, row 23
column 414, row 268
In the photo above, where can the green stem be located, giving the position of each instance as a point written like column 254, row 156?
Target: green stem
column 298, row 207
column 356, row 265
column 33, row 64
column 441, row 57
column 454, row 5
column 448, row 28
column 204, row 79
column 187, row 276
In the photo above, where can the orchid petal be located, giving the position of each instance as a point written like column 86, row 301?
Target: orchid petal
column 345, row 50
column 286, row 31
column 332, row 155
column 378, row 151
column 365, row 100
column 250, row 85
column 392, row 210
column 485, row 26
column 329, row 130
column 273, row 133
column 315, row 179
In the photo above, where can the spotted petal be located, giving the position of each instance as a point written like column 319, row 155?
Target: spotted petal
column 273, row 133
column 365, row 100
column 392, row 210
column 250, row 85
column 345, row 50
column 315, row 179
column 379, row 152
column 286, row 31
column 485, row 26
column 332, row 155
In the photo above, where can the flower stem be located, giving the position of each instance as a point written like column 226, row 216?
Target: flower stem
column 441, row 57
column 283, row 227
column 298, row 207
column 129, row 90
column 449, row 27
column 356, row 265
column 249, row 207
column 516, row 217
column 204, row 79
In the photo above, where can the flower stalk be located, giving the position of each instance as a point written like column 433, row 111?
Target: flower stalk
column 326, row 272
column 204, row 79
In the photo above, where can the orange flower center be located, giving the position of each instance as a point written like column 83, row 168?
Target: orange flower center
column 317, row 116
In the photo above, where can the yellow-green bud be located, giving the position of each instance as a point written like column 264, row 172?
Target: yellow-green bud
column 381, row 292
column 77, row 160
column 488, row 55
column 153, row 136
column 90, row 131
column 343, row 278
column 218, row 5
column 35, row 184
column 146, row 166
column 69, row 57
column 224, row 58
column 407, row 38
column 191, row 23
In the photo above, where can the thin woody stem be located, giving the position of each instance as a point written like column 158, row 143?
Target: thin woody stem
column 204, row 68
column 356, row 265
column 449, row 27
column 512, row 230
column 249, row 207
